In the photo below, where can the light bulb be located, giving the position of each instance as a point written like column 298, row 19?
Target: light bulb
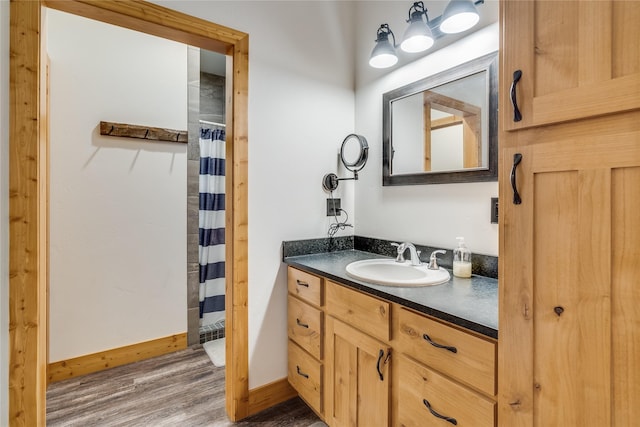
column 384, row 60
column 459, row 16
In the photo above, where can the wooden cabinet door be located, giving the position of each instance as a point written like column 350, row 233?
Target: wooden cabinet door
column 578, row 59
column 357, row 377
column 569, row 346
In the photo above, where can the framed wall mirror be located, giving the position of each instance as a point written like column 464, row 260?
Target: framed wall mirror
column 443, row 128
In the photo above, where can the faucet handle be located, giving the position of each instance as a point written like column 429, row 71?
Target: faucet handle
column 433, row 259
column 400, row 251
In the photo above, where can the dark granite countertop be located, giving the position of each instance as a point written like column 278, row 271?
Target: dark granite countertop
column 470, row 303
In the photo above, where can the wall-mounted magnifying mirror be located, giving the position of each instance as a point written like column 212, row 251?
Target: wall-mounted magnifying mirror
column 443, row 129
column 353, row 153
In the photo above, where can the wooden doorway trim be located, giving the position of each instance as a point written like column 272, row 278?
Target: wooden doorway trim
column 28, row 181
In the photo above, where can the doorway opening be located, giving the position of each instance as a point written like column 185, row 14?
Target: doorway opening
column 207, row 134
column 28, row 203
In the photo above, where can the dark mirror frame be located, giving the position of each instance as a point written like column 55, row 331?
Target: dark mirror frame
column 488, row 63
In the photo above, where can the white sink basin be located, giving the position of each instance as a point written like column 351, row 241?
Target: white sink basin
column 388, row 272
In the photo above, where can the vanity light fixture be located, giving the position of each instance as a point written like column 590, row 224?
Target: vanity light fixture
column 384, row 53
column 420, row 35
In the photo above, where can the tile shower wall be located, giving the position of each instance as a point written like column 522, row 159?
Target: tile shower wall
column 193, row 170
column 206, row 101
column 212, row 332
column 212, row 97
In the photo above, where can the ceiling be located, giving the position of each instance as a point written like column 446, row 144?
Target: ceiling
column 368, row 17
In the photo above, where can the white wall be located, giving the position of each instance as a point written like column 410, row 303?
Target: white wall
column 427, row 214
column 301, row 83
column 447, row 149
column 4, row 213
column 118, row 205
column 407, row 128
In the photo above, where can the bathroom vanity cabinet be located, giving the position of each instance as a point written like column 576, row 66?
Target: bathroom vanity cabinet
column 570, row 242
column 382, row 364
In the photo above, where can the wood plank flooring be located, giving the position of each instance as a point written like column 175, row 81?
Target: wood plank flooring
column 178, row 389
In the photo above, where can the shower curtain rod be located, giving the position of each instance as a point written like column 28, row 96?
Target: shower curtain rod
column 212, row 123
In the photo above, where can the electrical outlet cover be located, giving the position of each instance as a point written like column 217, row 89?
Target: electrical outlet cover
column 333, row 207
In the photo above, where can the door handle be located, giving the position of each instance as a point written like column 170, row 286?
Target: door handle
column 517, row 158
column 517, row 75
column 380, row 356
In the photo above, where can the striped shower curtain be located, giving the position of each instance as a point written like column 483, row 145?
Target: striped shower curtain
column 211, row 223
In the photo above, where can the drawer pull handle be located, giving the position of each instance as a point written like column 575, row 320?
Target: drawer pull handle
column 304, row 325
column 386, row 360
column 435, row 344
column 437, row 415
column 301, row 283
column 302, row 374
column 517, row 75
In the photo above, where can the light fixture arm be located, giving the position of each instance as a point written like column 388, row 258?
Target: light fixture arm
column 383, row 34
column 416, row 11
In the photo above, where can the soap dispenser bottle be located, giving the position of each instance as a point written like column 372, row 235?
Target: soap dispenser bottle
column 461, row 259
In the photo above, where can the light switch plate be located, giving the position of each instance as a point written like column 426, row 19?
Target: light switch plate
column 494, row 210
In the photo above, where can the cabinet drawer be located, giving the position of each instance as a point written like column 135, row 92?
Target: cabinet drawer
column 467, row 358
column 305, row 375
column 361, row 311
column 420, row 386
column 305, row 326
column 305, row 286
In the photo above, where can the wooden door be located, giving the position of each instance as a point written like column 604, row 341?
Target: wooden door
column 357, row 377
column 578, row 59
column 569, row 347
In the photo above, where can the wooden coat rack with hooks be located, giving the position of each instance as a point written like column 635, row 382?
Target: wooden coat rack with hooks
column 143, row 132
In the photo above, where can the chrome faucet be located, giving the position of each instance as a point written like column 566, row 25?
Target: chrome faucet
column 413, row 253
column 433, row 259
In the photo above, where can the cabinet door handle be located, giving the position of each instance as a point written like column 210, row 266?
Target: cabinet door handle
column 517, row 75
column 302, row 374
column 435, row 344
column 301, row 283
column 380, row 356
column 304, row 325
column 437, row 415
column 517, row 158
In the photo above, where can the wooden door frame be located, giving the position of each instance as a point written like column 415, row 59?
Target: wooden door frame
column 28, row 182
